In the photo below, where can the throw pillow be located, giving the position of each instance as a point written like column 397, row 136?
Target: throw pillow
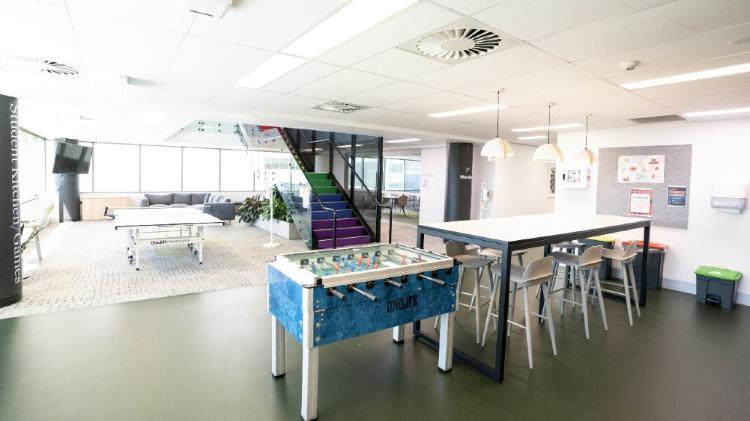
column 160, row 199
column 183, row 199
column 198, row 198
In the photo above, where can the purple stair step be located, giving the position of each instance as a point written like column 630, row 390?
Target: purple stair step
column 343, row 242
column 328, row 223
column 340, row 232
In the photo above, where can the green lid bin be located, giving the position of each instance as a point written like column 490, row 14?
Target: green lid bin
column 715, row 285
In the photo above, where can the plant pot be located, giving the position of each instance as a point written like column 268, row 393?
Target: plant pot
column 281, row 228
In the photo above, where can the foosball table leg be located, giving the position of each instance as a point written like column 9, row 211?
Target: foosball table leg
column 398, row 334
column 309, row 384
column 278, row 368
column 445, row 352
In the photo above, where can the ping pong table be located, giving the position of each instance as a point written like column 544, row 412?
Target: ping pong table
column 162, row 227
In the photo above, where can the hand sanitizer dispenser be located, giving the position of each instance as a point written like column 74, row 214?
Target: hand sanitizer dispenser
column 729, row 196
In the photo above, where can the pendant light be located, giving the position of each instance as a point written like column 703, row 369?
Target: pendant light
column 586, row 156
column 497, row 148
column 548, row 152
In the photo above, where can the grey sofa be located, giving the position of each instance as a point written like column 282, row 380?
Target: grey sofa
column 210, row 203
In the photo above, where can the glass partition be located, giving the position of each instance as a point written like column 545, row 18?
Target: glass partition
column 297, row 193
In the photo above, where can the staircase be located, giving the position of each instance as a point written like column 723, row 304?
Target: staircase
column 349, row 230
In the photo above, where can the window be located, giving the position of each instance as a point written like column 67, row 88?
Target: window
column 30, row 165
column 412, row 169
column 200, row 169
column 272, row 165
column 161, row 168
column 237, row 169
column 85, row 181
column 394, row 174
column 115, row 168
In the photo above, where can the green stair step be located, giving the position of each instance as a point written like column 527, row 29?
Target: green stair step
column 317, row 176
column 325, row 189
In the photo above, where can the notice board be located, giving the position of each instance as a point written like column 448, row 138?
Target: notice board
column 665, row 170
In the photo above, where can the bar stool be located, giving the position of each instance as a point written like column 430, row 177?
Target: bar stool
column 539, row 272
column 474, row 263
column 626, row 258
column 586, row 266
column 570, row 247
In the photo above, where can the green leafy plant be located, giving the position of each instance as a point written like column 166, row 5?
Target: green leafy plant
column 256, row 207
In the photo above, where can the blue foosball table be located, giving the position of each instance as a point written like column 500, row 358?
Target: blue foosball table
column 325, row 296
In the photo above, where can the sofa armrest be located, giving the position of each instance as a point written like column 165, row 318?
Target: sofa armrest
column 221, row 210
column 144, row 202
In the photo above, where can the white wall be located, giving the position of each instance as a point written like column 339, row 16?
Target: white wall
column 517, row 185
column 721, row 151
column 432, row 194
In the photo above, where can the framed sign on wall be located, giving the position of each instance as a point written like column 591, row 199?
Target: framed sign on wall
column 640, row 169
column 641, row 202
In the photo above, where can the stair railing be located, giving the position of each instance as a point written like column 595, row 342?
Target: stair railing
column 335, row 218
column 377, row 203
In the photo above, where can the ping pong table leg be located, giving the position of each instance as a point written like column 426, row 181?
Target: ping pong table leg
column 200, row 245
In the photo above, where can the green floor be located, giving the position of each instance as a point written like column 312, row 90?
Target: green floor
column 206, row 357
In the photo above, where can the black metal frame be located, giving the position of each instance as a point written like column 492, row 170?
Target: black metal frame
column 497, row 372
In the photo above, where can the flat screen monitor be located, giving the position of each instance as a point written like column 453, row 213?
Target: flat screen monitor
column 72, row 159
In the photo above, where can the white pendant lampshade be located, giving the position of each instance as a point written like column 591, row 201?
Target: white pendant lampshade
column 548, row 152
column 497, row 148
column 586, row 156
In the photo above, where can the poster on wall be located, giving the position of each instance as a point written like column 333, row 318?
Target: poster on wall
column 551, row 175
column 640, row 202
column 677, row 196
column 640, row 169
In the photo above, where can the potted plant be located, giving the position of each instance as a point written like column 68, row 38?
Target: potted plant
column 256, row 210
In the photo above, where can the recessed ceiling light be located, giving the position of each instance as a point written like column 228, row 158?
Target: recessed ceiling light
column 553, row 127
column 351, row 20
column 532, row 137
column 272, row 69
column 689, row 77
column 411, row 139
column 717, row 112
column 465, row 111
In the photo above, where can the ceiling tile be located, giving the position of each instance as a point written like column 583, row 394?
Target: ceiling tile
column 505, row 63
column 533, row 19
column 610, row 36
column 396, row 92
column 268, row 24
column 237, row 96
column 399, row 64
column 37, row 30
column 176, row 90
column 292, row 103
column 690, row 50
column 208, row 60
column 411, row 23
column 165, row 14
column 301, row 76
column 468, row 6
column 344, row 83
column 702, row 15
column 443, row 101
column 131, row 49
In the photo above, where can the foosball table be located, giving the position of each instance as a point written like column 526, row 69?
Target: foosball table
column 325, row 296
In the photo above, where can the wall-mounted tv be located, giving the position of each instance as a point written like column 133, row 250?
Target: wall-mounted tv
column 72, row 159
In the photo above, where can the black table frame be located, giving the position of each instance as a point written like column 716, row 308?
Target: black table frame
column 497, row 372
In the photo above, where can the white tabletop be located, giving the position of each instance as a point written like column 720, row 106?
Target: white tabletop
column 525, row 227
column 148, row 217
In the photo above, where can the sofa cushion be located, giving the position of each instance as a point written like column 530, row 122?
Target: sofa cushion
column 198, row 198
column 209, row 198
column 160, row 199
column 183, row 199
column 179, row 205
column 218, row 199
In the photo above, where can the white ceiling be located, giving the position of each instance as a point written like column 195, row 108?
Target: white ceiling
column 562, row 52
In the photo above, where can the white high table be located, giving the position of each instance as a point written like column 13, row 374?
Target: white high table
column 519, row 233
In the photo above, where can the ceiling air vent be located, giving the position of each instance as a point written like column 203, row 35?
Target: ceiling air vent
column 340, row 107
column 657, row 119
column 458, row 44
column 33, row 65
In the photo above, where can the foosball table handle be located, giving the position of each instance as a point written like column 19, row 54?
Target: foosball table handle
column 365, row 294
column 394, row 283
column 336, row 293
column 431, row 279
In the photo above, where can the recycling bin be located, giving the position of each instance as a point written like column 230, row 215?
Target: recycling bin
column 607, row 242
column 656, row 254
column 714, row 285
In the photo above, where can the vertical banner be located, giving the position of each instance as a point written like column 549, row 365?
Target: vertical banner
column 10, row 212
column 458, row 182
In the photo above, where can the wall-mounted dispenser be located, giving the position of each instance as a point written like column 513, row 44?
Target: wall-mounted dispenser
column 729, row 196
